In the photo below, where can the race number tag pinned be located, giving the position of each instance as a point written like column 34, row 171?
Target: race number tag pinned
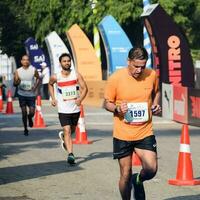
column 26, row 85
column 69, row 92
column 137, row 113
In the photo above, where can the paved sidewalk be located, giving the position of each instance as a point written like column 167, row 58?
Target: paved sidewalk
column 34, row 167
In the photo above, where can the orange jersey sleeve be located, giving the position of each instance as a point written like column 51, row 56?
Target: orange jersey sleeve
column 110, row 89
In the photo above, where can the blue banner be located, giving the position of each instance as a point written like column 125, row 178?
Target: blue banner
column 116, row 42
column 36, row 54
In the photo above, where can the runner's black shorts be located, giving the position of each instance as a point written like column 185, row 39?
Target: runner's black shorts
column 68, row 119
column 26, row 101
column 123, row 148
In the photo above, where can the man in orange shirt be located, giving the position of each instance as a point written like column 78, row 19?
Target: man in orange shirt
column 132, row 94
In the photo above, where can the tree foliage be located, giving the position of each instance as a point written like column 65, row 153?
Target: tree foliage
column 186, row 14
column 20, row 18
column 13, row 27
column 60, row 15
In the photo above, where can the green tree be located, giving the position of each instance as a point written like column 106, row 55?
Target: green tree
column 60, row 15
column 13, row 27
column 20, row 19
column 186, row 14
column 46, row 16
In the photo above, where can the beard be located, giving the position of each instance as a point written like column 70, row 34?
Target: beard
column 67, row 69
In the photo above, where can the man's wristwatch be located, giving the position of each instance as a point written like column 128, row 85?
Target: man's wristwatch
column 117, row 110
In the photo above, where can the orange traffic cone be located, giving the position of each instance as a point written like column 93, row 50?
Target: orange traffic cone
column 81, row 135
column 38, row 119
column 9, row 107
column 184, row 175
column 135, row 160
column 1, row 101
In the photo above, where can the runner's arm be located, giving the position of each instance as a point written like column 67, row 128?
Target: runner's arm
column 110, row 97
column 109, row 106
column 156, row 108
column 16, row 79
column 156, row 99
column 37, row 81
column 116, row 109
column 52, row 80
column 83, row 87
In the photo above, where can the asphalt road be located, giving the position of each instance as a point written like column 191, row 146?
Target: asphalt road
column 35, row 167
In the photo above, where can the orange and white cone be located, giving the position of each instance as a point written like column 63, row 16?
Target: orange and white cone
column 135, row 160
column 1, row 101
column 184, row 175
column 38, row 119
column 81, row 134
column 9, row 107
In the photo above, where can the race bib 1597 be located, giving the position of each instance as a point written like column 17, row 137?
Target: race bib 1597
column 137, row 113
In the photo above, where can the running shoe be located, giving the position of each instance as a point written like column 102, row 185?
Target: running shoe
column 30, row 121
column 71, row 159
column 26, row 132
column 62, row 143
column 139, row 192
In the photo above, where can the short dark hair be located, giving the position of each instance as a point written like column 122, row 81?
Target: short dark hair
column 25, row 55
column 64, row 55
column 139, row 53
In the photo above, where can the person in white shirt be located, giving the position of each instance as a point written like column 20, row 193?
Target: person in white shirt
column 71, row 89
column 27, row 79
column 45, row 75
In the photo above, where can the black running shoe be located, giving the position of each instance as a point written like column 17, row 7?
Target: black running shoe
column 139, row 192
column 71, row 159
column 30, row 121
column 26, row 132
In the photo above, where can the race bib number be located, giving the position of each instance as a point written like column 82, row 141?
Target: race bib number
column 137, row 113
column 26, row 85
column 69, row 93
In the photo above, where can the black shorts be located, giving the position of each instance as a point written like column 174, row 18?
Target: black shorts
column 68, row 119
column 26, row 101
column 123, row 148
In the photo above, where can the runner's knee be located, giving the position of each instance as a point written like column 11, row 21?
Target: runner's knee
column 126, row 174
column 67, row 131
column 31, row 113
column 73, row 128
column 125, row 177
column 149, row 173
column 24, row 113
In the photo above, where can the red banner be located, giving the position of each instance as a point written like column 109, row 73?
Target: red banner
column 194, row 106
column 180, row 102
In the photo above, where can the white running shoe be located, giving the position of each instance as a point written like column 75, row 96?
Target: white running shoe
column 62, row 143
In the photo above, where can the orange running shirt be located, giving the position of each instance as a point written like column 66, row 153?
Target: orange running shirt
column 123, row 87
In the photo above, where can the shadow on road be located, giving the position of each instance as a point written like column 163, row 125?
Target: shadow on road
column 13, row 136
column 25, row 172
column 191, row 197
column 94, row 155
column 14, row 142
column 7, row 150
column 24, row 197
